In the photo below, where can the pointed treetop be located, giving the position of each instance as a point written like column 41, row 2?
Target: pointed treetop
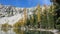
column 38, row 5
column 45, row 5
column 53, row 0
column 24, row 9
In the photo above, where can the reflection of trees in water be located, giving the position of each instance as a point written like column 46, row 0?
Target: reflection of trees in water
column 32, row 32
column 5, row 29
column 6, row 26
column 38, row 32
column 18, row 31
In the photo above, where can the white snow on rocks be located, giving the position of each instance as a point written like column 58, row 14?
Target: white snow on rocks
column 11, row 20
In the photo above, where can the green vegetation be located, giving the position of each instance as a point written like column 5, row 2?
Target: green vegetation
column 5, row 27
column 18, row 31
column 39, row 19
column 57, row 14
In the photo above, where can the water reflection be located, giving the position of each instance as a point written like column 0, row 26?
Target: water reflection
column 38, row 32
column 18, row 31
column 4, row 30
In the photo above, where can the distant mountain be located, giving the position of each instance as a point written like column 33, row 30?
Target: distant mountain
column 7, row 10
column 13, row 14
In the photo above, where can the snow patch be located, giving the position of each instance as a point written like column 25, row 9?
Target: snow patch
column 11, row 20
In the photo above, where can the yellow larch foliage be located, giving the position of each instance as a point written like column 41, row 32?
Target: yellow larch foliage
column 22, row 21
column 38, row 13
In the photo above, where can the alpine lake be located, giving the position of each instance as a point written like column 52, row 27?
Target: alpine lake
column 18, row 31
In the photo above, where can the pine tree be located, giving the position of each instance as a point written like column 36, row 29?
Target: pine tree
column 38, row 10
column 51, row 16
column 57, row 13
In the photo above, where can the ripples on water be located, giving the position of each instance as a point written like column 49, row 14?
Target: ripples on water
column 17, row 31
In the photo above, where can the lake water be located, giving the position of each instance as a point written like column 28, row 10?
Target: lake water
column 17, row 31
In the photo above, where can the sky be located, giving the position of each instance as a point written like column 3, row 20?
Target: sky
column 25, row 3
